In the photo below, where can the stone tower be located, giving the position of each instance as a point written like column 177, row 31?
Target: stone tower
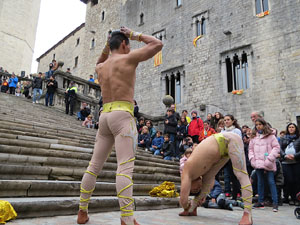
column 100, row 18
column 18, row 25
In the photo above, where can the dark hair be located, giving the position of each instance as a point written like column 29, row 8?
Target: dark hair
column 296, row 131
column 184, row 111
column 40, row 73
column 170, row 110
column 207, row 121
column 167, row 135
column 116, row 39
column 184, row 123
column 266, row 130
column 151, row 124
column 245, row 126
column 235, row 123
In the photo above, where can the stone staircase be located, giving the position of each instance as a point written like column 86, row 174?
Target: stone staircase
column 44, row 153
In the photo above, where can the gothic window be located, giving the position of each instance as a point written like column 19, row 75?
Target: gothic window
column 173, row 85
column 161, row 35
column 93, row 43
column 141, row 18
column 237, row 72
column 200, row 22
column 261, row 6
column 178, row 3
column 78, row 41
column 76, row 61
column 103, row 15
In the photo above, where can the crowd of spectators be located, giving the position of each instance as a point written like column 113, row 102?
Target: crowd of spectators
column 273, row 163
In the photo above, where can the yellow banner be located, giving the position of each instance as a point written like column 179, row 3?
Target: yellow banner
column 158, row 59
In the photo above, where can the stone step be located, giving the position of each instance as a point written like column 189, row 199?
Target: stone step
column 49, row 131
column 44, row 188
column 44, row 140
column 15, row 172
column 13, row 159
column 24, row 151
column 56, row 206
column 20, row 144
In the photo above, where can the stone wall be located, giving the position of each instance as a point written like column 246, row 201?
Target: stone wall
column 18, row 24
column 66, row 50
column 271, row 45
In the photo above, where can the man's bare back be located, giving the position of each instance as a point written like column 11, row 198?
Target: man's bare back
column 117, row 78
column 116, row 73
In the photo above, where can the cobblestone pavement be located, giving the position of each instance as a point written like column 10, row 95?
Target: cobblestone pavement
column 285, row 216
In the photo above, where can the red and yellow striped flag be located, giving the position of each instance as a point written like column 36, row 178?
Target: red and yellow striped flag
column 158, row 59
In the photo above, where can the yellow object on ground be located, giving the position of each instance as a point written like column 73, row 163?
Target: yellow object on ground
column 7, row 212
column 166, row 190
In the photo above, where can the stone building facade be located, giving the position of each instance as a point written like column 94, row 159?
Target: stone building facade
column 69, row 50
column 18, row 24
column 250, row 45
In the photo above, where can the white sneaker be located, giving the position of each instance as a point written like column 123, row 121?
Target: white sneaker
column 33, row 102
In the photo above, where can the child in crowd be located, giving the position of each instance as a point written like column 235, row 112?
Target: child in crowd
column 144, row 138
column 157, row 142
column 187, row 154
column 152, row 130
column 220, row 126
column 88, row 122
column 167, row 148
column 263, row 151
column 207, row 131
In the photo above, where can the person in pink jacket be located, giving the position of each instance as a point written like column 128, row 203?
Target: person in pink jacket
column 263, row 151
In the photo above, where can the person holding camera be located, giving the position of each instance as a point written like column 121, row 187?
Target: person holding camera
column 51, row 87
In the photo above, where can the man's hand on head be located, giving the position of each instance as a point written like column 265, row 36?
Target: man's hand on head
column 126, row 31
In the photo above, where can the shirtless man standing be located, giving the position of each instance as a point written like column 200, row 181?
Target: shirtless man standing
column 206, row 161
column 116, row 74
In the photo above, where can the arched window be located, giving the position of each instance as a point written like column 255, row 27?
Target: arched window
column 103, row 15
column 142, row 18
column 93, row 43
column 261, row 6
column 203, row 26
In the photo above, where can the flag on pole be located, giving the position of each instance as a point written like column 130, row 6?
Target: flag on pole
column 158, row 59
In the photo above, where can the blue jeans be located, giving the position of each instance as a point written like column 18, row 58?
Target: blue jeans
column 261, row 185
column 49, row 96
column 35, row 90
column 227, row 178
column 172, row 137
column 157, row 152
column 168, row 158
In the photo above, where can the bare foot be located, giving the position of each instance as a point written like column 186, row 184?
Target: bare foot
column 82, row 217
column 246, row 219
column 184, row 213
column 194, row 212
column 187, row 213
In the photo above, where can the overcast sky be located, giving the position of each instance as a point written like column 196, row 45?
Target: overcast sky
column 57, row 19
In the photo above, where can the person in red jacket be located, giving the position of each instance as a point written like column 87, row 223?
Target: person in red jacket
column 206, row 132
column 195, row 127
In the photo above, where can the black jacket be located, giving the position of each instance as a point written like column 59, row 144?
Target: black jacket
column 167, row 148
column 37, row 83
column 171, row 127
column 51, row 88
column 85, row 112
column 284, row 142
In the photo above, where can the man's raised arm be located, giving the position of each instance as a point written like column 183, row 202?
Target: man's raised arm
column 105, row 52
column 153, row 45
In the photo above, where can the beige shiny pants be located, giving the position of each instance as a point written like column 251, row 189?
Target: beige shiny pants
column 119, row 128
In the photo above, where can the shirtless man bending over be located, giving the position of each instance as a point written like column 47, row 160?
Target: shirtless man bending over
column 206, row 160
column 116, row 74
